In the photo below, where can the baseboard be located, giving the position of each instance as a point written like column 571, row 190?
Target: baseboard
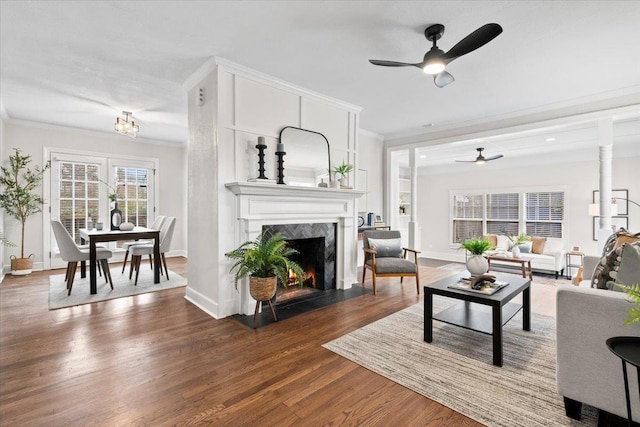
column 204, row 303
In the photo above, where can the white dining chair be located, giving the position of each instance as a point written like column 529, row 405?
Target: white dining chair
column 137, row 251
column 72, row 254
column 157, row 225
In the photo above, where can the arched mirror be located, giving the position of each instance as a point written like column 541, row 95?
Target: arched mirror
column 307, row 161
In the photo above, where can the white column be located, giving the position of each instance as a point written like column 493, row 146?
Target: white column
column 414, row 232
column 605, row 142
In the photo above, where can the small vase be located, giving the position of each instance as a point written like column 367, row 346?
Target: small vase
column 116, row 217
column 515, row 251
column 334, row 184
column 344, row 182
column 477, row 264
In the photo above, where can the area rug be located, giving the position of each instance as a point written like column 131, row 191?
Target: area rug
column 122, row 287
column 456, row 369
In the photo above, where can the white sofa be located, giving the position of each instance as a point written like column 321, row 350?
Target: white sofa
column 552, row 258
column 587, row 372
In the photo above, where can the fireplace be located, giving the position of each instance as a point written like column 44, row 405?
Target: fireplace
column 316, row 246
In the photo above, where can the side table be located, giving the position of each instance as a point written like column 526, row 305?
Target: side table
column 627, row 349
column 571, row 264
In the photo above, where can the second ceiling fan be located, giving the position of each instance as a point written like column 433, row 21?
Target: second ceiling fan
column 480, row 160
column 435, row 60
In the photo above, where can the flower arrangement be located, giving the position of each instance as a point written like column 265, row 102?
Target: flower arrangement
column 519, row 239
column 343, row 169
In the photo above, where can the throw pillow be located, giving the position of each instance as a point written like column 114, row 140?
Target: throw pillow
column 629, row 270
column 604, row 275
column 386, row 247
column 537, row 244
column 623, row 236
column 503, row 242
column 492, row 239
column 525, row 248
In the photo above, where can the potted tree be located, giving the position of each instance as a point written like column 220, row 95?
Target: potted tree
column 19, row 200
column 264, row 260
column 476, row 263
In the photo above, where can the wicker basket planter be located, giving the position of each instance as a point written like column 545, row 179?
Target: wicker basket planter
column 21, row 266
column 262, row 288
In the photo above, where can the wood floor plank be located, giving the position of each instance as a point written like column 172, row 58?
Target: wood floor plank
column 156, row 359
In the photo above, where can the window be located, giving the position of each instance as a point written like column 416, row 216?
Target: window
column 545, row 214
column 78, row 194
column 133, row 197
column 503, row 213
column 467, row 217
column 534, row 213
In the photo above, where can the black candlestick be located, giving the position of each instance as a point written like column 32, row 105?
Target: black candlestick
column 280, row 155
column 261, row 147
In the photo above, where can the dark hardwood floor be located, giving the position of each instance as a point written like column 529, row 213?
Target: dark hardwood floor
column 156, row 359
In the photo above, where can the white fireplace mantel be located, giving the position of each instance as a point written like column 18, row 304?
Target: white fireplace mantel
column 259, row 204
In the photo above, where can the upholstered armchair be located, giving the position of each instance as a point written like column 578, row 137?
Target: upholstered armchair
column 385, row 257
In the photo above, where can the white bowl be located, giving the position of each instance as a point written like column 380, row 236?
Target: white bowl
column 126, row 226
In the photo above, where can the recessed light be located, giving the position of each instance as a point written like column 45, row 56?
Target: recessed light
column 550, row 139
column 423, row 156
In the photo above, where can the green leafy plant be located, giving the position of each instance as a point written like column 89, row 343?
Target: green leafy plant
column 5, row 242
column 343, row 169
column 18, row 197
column 113, row 193
column 519, row 239
column 634, row 293
column 476, row 246
column 266, row 256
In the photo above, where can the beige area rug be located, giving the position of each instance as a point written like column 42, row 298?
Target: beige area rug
column 456, row 369
column 122, row 287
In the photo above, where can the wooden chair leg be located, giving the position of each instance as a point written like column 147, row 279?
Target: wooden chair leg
column 124, row 264
column 72, row 275
column 107, row 272
column 66, row 274
column 139, row 258
column 401, row 277
column 273, row 311
column 132, row 265
column 418, row 282
column 374, row 281
column 255, row 314
column 151, row 262
column 164, row 261
column 99, row 269
column 364, row 272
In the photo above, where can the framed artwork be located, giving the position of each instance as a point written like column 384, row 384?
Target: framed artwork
column 618, row 195
column 616, row 223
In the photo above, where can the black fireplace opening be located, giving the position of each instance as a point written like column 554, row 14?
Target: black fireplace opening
column 315, row 245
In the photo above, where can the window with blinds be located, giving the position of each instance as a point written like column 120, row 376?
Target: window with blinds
column 78, row 195
column 533, row 213
column 468, row 212
column 133, row 196
column 503, row 213
column 545, row 214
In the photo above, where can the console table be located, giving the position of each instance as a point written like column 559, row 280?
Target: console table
column 525, row 263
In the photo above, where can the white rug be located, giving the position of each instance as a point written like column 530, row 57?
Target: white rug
column 122, row 287
column 456, row 368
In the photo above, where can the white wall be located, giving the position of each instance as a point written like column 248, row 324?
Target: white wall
column 579, row 179
column 31, row 138
column 370, row 160
column 2, row 151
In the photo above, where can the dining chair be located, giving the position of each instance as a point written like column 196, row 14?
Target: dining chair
column 156, row 225
column 137, row 251
column 72, row 254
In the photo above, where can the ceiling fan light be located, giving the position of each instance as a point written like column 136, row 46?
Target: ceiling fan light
column 435, row 66
column 480, row 162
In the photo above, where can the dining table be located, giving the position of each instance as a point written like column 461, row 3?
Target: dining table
column 94, row 236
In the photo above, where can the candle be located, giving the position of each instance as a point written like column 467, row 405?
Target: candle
column 261, row 140
column 280, row 147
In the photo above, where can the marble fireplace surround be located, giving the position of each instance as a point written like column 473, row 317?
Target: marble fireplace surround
column 273, row 204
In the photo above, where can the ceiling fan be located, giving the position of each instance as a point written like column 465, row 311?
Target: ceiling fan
column 435, row 60
column 480, row 160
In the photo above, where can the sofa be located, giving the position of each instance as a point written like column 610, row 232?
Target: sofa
column 587, row 371
column 549, row 255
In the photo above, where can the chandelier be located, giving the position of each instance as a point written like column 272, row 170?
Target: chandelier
column 126, row 126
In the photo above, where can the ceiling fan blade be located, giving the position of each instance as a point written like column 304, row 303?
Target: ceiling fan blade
column 442, row 79
column 473, row 41
column 393, row 63
column 494, row 157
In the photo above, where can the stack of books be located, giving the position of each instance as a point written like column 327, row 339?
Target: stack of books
column 486, row 288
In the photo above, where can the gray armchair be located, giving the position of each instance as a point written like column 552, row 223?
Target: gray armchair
column 385, row 257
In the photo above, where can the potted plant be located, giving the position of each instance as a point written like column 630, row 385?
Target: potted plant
column 343, row 170
column 264, row 260
column 516, row 242
column 633, row 291
column 476, row 263
column 19, row 199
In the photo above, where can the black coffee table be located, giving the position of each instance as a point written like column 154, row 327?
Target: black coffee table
column 478, row 312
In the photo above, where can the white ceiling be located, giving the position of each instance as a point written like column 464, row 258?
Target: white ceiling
column 80, row 64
